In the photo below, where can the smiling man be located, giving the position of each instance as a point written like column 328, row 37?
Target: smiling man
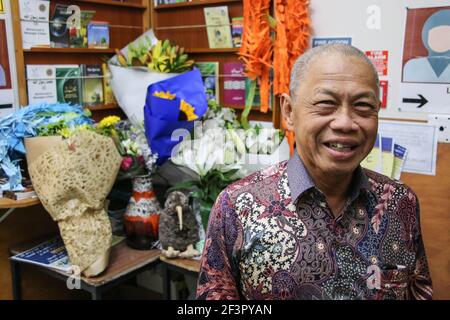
column 319, row 226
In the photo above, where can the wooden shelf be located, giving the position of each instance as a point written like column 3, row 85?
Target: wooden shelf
column 210, row 50
column 102, row 107
column 193, row 3
column 69, row 50
column 115, row 3
column 187, row 264
column 6, row 203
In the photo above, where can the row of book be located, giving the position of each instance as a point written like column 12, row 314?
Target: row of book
column 158, row 2
column 86, row 84
column 61, row 30
column 222, row 34
column 235, row 84
column 386, row 157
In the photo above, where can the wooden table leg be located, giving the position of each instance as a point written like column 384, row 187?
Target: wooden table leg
column 16, row 280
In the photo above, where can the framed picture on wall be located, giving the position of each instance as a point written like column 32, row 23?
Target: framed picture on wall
column 5, row 74
column 7, row 97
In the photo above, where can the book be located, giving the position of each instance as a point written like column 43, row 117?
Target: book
column 218, row 27
column 68, row 84
column 399, row 160
column 234, row 84
column 108, row 94
column 50, row 254
column 34, row 15
column 41, row 83
column 78, row 36
column 237, row 28
column 92, row 84
column 20, row 195
column 53, row 83
column 210, row 76
column 387, row 154
column 98, row 35
column 373, row 161
column 59, row 33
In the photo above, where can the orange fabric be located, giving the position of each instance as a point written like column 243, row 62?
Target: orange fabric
column 257, row 48
column 259, row 52
column 293, row 30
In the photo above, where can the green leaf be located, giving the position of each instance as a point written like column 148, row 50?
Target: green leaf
column 248, row 105
column 182, row 186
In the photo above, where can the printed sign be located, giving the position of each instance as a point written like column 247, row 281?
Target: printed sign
column 321, row 41
column 379, row 59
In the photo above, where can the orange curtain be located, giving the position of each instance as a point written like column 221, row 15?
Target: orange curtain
column 260, row 52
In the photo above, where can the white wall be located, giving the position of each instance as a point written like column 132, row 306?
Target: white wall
column 348, row 18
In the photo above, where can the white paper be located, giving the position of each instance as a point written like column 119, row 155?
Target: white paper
column 421, row 141
column 35, row 33
column 41, row 83
column 130, row 88
column 6, row 98
column 437, row 97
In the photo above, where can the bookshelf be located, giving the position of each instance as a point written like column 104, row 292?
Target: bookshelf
column 184, row 24
column 127, row 19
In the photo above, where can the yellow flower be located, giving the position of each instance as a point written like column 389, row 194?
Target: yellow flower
column 164, row 95
column 83, row 127
column 65, row 132
column 188, row 110
column 109, row 121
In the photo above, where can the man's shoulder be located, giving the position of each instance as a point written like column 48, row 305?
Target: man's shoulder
column 256, row 180
column 381, row 184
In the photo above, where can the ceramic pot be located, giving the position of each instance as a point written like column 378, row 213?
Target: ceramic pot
column 141, row 217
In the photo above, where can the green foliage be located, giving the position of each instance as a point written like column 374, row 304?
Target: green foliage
column 52, row 129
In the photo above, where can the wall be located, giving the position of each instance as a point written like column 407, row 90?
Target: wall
column 348, row 18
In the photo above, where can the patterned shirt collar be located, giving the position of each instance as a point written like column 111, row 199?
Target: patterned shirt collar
column 300, row 181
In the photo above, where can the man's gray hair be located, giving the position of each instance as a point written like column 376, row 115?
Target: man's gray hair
column 302, row 63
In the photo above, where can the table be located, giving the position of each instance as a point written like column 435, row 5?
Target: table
column 11, row 205
column 184, row 266
column 124, row 264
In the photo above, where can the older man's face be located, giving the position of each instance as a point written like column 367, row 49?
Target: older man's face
column 335, row 114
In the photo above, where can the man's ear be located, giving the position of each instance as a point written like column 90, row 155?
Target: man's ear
column 287, row 111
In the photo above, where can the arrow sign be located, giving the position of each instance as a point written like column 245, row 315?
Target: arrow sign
column 422, row 101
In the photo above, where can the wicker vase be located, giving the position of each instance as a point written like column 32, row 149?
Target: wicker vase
column 141, row 217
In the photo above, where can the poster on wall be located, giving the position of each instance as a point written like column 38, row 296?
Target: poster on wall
column 425, row 85
column 320, row 41
column 384, row 84
column 6, row 92
column 379, row 59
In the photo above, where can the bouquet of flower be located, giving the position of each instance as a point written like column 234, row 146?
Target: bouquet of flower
column 222, row 152
column 141, row 63
column 137, row 158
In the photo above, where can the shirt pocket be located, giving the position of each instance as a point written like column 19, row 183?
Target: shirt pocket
column 394, row 283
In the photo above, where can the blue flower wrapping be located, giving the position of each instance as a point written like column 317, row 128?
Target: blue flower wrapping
column 162, row 116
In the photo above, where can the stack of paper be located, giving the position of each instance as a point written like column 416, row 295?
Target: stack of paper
column 386, row 157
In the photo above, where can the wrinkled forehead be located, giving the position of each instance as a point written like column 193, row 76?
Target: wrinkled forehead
column 339, row 66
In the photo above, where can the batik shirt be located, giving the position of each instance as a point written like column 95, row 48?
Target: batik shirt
column 272, row 235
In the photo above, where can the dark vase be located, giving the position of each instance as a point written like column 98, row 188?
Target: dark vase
column 141, row 217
